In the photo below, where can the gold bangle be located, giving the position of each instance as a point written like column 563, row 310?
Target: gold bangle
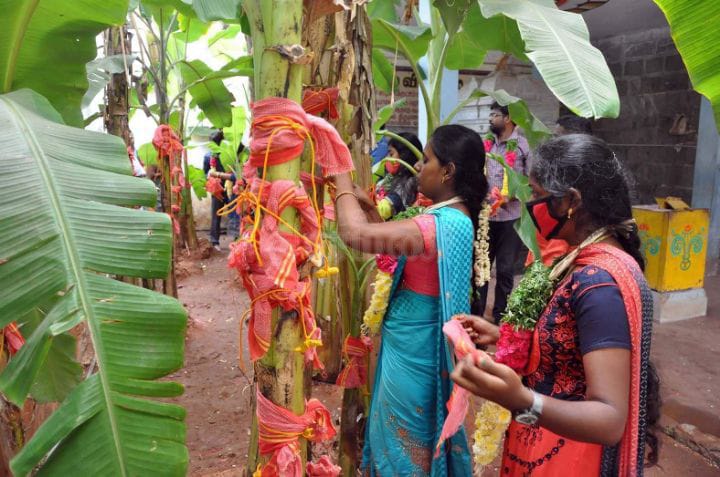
column 345, row 192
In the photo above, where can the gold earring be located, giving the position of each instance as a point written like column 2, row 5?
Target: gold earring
column 570, row 211
column 442, row 181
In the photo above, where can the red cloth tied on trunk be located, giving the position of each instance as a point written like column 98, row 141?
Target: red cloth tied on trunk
column 279, row 431
column 280, row 128
column 169, row 148
column 355, row 350
column 459, row 401
column 267, row 260
column 323, row 468
column 318, row 101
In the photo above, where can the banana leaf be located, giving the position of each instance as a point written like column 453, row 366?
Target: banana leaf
column 558, row 43
column 479, row 35
column 45, row 46
column 65, row 225
column 694, row 28
column 211, row 96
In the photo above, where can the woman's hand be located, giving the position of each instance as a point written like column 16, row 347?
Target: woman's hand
column 493, row 381
column 481, row 331
column 364, row 198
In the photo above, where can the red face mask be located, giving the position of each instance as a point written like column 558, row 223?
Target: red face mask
column 547, row 224
column 392, row 167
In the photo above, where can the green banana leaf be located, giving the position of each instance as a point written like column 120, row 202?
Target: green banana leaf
column 479, row 35
column 45, row 46
column 519, row 188
column 386, row 112
column 383, row 71
column 100, row 71
column 191, row 29
column 558, row 43
column 64, row 225
column 409, row 40
column 197, row 180
column 453, row 13
column 211, row 96
column 694, row 28
column 534, row 129
column 384, row 9
column 209, row 10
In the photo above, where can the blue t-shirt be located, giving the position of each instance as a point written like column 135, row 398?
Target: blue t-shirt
column 586, row 313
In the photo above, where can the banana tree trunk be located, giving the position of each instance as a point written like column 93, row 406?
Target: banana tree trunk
column 357, row 102
column 116, row 93
column 188, row 232
column 281, row 375
column 341, row 43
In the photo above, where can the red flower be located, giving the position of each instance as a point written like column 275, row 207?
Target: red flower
column 513, row 347
column 488, row 143
column 386, row 263
column 510, row 158
column 688, row 228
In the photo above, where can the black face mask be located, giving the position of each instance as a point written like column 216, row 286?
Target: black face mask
column 545, row 221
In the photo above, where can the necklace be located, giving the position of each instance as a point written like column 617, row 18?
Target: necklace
column 453, row 200
column 564, row 265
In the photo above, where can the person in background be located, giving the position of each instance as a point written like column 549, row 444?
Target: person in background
column 589, row 396
column 212, row 166
column 398, row 189
column 504, row 241
column 381, row 148
column 571, row 124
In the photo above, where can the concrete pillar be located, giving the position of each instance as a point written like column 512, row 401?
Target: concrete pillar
column 448, row 87
column 706, row 181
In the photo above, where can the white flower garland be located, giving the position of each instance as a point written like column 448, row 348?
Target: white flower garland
column 481, row 247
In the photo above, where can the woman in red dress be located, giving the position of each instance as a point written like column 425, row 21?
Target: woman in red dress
column 585, row 402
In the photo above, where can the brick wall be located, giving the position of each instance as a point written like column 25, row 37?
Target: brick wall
column 656, row 133
column 405, row 118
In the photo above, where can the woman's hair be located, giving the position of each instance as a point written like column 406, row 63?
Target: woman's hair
column 464, row 148
column 405, row 153
column 588, row 165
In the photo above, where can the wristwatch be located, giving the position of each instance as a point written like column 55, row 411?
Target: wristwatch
column 530, row 415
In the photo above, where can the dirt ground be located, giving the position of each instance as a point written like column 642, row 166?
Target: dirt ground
column 217, row 390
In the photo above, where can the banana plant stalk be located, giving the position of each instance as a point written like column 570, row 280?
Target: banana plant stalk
column 281, row 374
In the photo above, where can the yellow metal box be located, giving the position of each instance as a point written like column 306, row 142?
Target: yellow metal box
column 674, row 244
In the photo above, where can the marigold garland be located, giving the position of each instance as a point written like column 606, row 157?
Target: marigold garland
column 491, row 422
column 372, row 319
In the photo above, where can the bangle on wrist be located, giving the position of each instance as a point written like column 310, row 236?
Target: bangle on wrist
column 348, row 192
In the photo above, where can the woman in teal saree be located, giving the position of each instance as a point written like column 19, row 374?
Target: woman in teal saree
column 431, row 283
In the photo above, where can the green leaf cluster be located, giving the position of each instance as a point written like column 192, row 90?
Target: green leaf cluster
column 66, row 224
column 530, row 298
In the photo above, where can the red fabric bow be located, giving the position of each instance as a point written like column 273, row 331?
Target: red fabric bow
column 355, row 350
column 280, row 128
column 279, row 431
column 317, row 102
column 323, row 468
column 268, row 263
